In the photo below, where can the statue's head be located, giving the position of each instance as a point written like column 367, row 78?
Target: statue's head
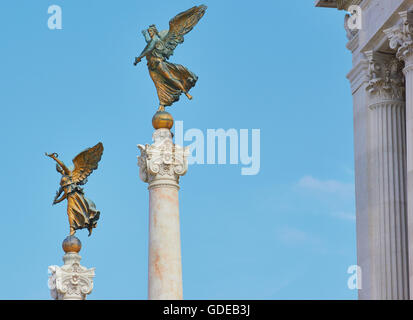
column 152, row 30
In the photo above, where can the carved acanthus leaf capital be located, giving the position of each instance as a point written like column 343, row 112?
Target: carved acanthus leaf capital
column 162, row 160
column 71, row 281
column 386, row 80
column 400, row 36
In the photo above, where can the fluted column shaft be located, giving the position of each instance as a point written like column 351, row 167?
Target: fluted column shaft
column 400, row 38
column 408, row 71
column 161, row 164
column 389, row 228
column 389, row 119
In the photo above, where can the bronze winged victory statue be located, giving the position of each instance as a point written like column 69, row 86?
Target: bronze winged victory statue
column 171, row 80
column 81, row 211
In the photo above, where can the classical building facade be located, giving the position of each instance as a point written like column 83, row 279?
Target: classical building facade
column 380, row 37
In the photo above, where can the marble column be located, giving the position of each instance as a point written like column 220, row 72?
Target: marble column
column 389, row 226
column 71, row 281
column 161, row 165
column 400, row 38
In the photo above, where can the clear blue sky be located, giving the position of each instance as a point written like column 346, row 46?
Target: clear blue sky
column 277, row 66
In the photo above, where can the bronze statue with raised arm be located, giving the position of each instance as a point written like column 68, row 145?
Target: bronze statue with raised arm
column 171, row 80
column 81, row 211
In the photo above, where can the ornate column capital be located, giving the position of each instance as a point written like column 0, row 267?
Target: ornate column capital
column 71, row 281
column 400, row 36
column 386, row 80
column 163, row 162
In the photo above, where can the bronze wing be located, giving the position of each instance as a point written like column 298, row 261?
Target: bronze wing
column 181, row 25
column 85, row 162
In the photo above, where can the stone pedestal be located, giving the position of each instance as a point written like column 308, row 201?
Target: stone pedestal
column 161, row 164
column 71, row 281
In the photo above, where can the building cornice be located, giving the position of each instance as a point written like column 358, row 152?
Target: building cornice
column 358, row 75
column 326, row 4
column 339, row 4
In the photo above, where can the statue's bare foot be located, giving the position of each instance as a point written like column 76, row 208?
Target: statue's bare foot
column 188, row 95
column 161, row 108
column 72, row 231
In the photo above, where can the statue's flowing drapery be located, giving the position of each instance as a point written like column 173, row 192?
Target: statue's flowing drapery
column 168, row 87
column 81, row 211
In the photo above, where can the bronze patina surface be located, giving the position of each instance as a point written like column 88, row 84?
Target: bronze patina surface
column 71, row 244
column 81, row 211
column 171, row 80
column 162, row 119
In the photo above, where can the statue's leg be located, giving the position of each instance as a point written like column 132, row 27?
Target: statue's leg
column 161, row 108
column 166, row 74
column 71, row 221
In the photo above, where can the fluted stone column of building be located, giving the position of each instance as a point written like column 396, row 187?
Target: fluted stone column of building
column 71, row 281
column 400, row 37
column 378, row 189
column 161, row 164
column 389, row 226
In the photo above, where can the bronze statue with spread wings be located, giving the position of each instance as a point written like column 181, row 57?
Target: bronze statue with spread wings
column 81, row 211
column 171, row 80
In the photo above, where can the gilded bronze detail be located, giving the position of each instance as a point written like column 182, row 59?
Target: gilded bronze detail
column 171, row 80
column 71, row 244
column 81, row 211
column 162, row 119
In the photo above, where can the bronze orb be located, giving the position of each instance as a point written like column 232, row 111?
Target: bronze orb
column 71, row 244
column 162, row 119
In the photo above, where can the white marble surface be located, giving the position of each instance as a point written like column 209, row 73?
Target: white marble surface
column 70, row 281
column 383, row 159
column 389, row 237
column 161, row 165
column 400, row 38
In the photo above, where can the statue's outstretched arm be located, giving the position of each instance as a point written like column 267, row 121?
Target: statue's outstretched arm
column 150, row 46
column 62, row 165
